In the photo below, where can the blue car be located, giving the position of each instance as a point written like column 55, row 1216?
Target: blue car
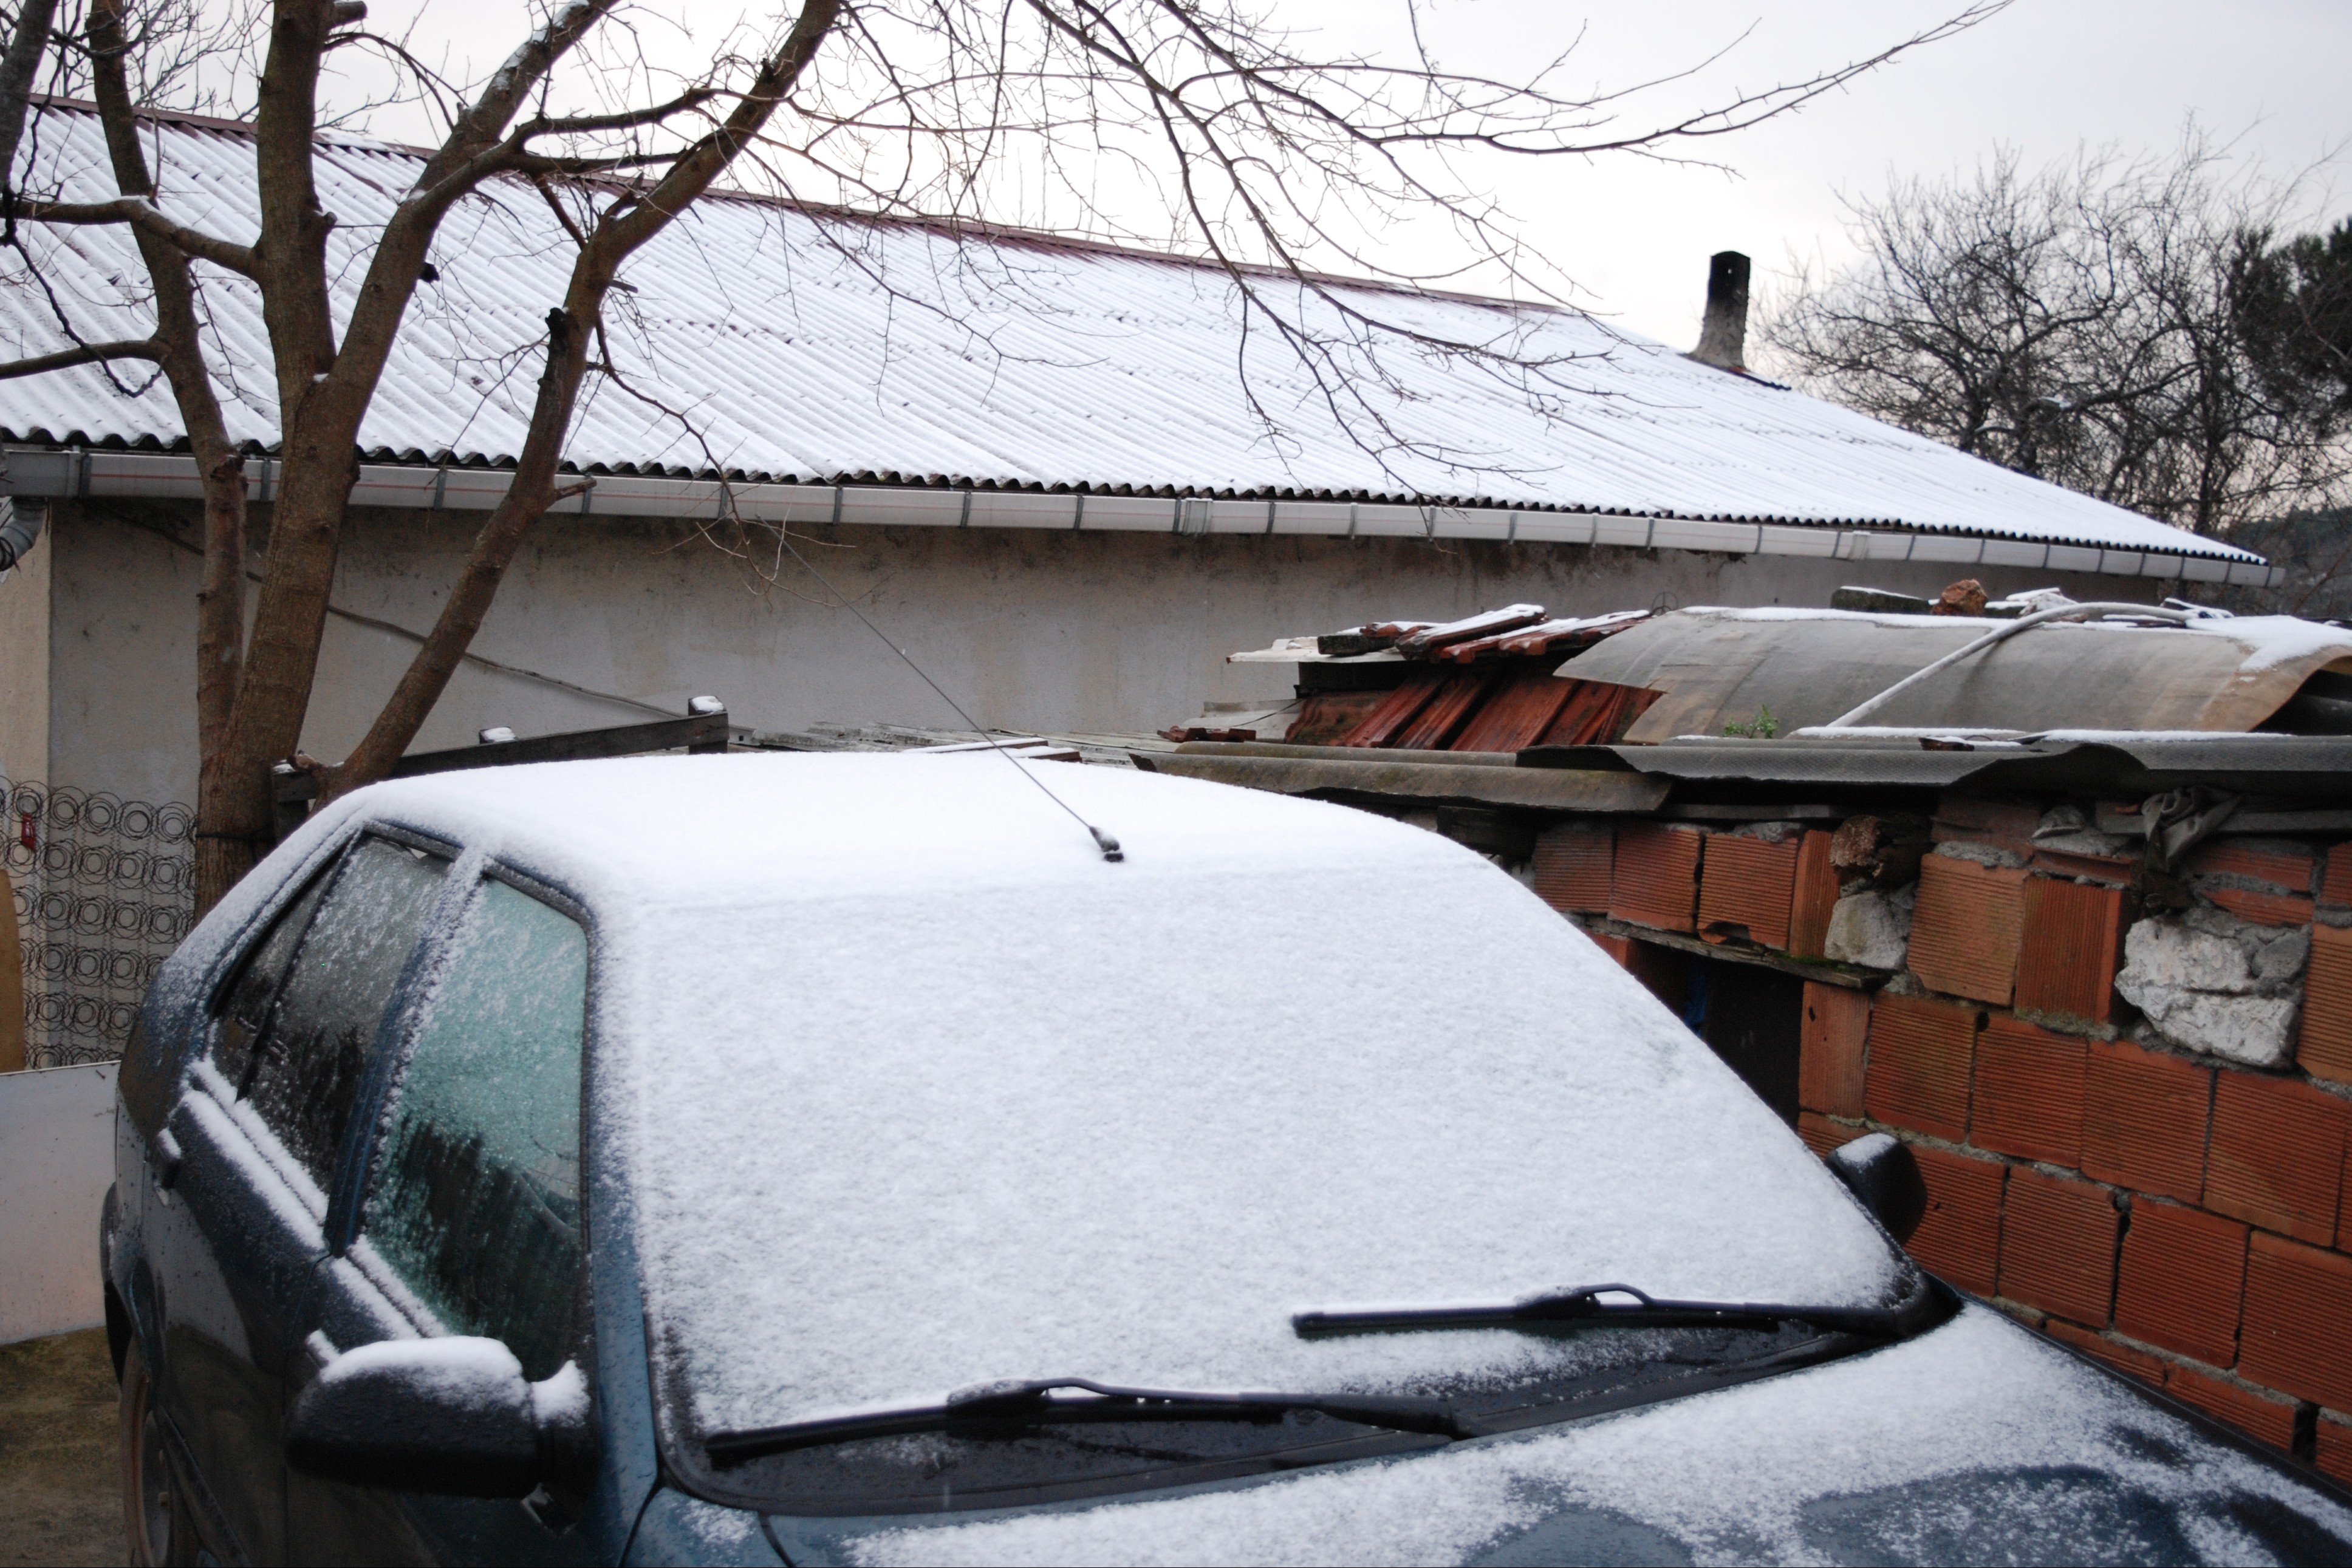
column 888, row 1159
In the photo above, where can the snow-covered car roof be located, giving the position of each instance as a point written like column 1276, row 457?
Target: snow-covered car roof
column 917, row 1091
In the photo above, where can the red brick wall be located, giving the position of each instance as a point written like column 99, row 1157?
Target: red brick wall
column 2183, row 1222
column 2184, row 1219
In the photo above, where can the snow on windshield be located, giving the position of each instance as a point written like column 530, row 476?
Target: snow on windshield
column 919, row 1092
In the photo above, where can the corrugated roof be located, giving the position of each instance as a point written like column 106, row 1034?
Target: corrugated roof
column 1719, row 667
column 804, row 345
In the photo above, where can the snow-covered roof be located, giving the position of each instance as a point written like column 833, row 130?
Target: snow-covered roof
column 801, row 345
column 917, row 1091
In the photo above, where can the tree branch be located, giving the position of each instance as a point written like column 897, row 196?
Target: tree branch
column 143, row 215
column 86, row 354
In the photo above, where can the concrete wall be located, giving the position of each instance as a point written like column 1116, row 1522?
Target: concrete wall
column 56, row 1159
column 1029, row 629
column 25, row 666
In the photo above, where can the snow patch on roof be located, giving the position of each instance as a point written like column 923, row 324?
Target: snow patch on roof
column 804, row 345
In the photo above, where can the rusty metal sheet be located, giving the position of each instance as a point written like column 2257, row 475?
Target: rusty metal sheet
column 1717, row 667
column 1541, row 789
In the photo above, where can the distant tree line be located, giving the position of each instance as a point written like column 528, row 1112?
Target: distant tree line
column 2138, row 331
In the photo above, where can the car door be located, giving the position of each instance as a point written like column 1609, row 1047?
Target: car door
column 466, row 1214
column 259, row 1133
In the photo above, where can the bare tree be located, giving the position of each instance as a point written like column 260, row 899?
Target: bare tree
column 1269, row 158
column 2085, row 324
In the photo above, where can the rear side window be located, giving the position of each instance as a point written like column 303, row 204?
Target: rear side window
column 314, row 1051
column 476, row 1205
column 257, row 986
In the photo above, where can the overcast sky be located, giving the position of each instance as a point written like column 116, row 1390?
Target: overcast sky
column 2047, row 77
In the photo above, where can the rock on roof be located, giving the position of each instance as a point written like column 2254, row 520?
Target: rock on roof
column 791, row 344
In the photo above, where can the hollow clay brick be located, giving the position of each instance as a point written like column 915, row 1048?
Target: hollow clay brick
column 2288, row 871
column 1829, row 1056
column 2182, row 1281
column 1573, row 868
column 1617, row 947
column 1821, row 1134
column 2072, row 946
column 2263, row 908
column 2277, row 1154
column 2262, row 1417
column 1920, row 1056
column 2144, row 1119
column 1959, row 1238
column 2335, row 882
column 2299, row 1322
column 2124, row 1358
column 1815, row 897
column 2027, row 1098
column 1655, row 879
column 2299, row 1331
column 1745, row 885
column 2058, row 1246
column 1966, row 928
column 2333, row 1452
column 2325, row 1049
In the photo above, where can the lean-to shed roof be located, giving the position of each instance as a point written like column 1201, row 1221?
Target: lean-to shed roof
column 788, row 344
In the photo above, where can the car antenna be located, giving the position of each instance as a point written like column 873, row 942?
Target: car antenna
column 1103, row 841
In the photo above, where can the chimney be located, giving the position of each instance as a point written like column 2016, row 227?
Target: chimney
column 1723, row 341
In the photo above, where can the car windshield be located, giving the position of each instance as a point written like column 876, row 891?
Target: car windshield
column 915, row 1092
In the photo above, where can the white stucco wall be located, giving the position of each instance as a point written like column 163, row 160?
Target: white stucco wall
column 56, row 1160
column 1031, row 629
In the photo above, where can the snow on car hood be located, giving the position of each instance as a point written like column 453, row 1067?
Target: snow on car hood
column 917, row 1091
column 1975, row 1443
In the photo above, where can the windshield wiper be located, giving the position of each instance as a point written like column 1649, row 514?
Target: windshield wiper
column 1583, row 1307
column 1032, row 1404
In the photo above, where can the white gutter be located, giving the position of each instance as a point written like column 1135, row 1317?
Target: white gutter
column 97, row 474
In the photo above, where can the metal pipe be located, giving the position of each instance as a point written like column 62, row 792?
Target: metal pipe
column 2008, row 628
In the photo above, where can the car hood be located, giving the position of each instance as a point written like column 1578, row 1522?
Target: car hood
column 1978, row 1442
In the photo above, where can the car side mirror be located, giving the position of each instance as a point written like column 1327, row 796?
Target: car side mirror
column 1880, row 1171
column 453, row 1417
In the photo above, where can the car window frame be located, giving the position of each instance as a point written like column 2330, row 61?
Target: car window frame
column 358, row 1175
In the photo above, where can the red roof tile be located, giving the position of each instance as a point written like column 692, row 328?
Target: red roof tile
column 1516, row 716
